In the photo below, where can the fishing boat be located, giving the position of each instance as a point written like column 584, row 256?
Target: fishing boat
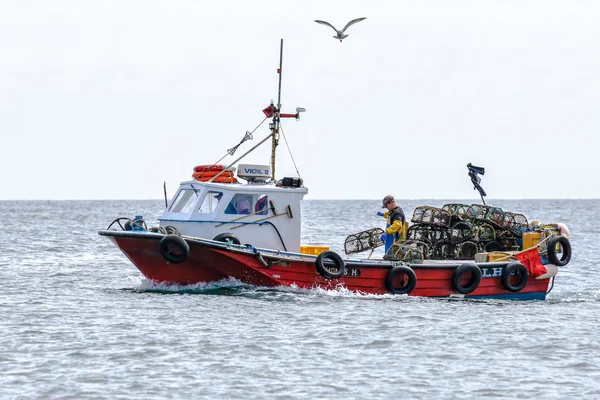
column 240, row 221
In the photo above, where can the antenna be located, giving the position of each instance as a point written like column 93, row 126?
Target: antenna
column 276, row 115
column 280, row 67
column 272, row 111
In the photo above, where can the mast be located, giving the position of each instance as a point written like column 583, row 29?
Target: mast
column 276, row 115
column 271, row 111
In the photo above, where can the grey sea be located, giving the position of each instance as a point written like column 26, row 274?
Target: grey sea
column 79, row 321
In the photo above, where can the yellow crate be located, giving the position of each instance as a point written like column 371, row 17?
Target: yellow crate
column 313, row 250
column 491, row 257
column 496, row 255
column 531, row 239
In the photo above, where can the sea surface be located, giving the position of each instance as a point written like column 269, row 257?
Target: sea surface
column 79, row 321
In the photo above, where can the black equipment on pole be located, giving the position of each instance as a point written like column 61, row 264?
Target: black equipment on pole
column 474, row 172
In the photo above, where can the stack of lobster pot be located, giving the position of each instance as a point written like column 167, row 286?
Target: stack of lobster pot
column 459, row 231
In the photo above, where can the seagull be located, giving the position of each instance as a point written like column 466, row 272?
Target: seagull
column 340, row 34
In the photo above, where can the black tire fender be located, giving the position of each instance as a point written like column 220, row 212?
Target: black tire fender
column 174, row 249
column 515, row 268
column 171, row 230
column 566, row 251
column 157, row 229
column 473, row 283
column 404, row 289
column 329, row 273
column 227, row 237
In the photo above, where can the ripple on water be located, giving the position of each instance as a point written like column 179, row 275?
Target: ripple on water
column 79, row 321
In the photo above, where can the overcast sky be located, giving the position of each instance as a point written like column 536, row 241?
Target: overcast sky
column 109, row 99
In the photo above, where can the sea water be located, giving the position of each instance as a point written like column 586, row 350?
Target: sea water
column 79, row 321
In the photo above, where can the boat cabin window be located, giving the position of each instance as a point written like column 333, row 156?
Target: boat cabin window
column 210, row 202
column 240, row 204
column 248, row 204
column 262, row 205
column 185, row 200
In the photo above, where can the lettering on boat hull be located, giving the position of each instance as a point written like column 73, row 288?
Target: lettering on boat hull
column 349, row 271
column 491, row 272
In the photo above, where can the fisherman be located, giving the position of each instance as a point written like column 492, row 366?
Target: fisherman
column 243, row 206
column 394, row 222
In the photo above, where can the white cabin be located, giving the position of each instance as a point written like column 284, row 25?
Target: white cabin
column 259, row 213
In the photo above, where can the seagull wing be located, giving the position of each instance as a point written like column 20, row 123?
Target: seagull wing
column 353, row 22
column 325, row 23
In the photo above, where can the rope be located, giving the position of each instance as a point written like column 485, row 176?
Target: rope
column 512, row 256
column 289, row 150
column 247, row 136
column 552, row 286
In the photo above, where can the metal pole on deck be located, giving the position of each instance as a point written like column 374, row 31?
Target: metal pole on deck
column 165, row 190
column 276, row 115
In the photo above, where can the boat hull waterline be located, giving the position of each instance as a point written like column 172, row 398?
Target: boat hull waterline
column 210, row 261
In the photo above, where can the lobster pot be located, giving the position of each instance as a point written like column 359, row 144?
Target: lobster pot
column 460, row 212
column 515, row 222
column 489, row 246
column 429, row 234
column 440, row 251
column 431, row 216
column 496, row 216
column 480, row 212
column 411, row 251
column 509, row 243
column 483, row 232
column 505, row 234
column 466, row 250
column 461, row 232
column 362, row 241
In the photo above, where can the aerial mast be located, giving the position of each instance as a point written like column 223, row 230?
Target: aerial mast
column 271, row 111
column 276, row 115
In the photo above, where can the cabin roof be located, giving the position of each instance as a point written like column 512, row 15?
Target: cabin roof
column 245, row 187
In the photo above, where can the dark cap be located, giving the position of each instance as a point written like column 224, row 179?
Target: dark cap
column 387, row 199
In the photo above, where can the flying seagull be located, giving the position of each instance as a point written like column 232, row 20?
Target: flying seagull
column 340, row 34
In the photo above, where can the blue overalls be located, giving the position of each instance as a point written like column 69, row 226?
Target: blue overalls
column 389, row 239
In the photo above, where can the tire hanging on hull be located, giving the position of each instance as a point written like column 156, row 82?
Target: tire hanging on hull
column 226, row 237
column 511, row 270
column 329, row 272
column 406, row 286
column 473, row 282
column 174, row 249
column 553, row 258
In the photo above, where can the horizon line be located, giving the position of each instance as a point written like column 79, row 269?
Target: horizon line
column 325, row 199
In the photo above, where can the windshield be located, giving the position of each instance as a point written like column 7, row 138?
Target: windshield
column 210, row 202
column 184, row 202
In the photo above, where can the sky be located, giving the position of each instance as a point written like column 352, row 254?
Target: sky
column 109, row 99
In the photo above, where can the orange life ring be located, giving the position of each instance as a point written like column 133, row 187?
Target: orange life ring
column 210, row 174
column 223, row 178
column 218, row 180
column 201, row 168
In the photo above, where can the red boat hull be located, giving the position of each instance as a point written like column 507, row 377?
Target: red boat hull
column 210, row 261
